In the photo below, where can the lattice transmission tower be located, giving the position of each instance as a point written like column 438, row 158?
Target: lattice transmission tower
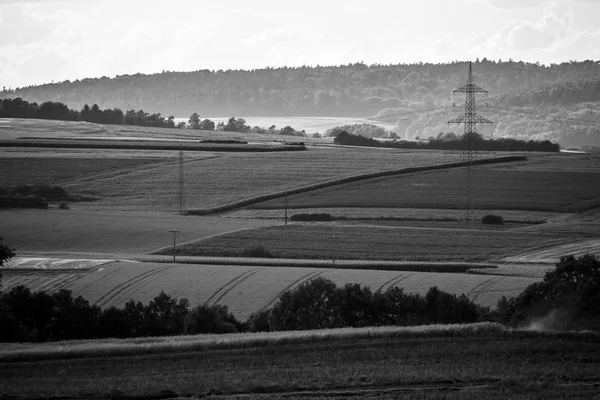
column 470, row 119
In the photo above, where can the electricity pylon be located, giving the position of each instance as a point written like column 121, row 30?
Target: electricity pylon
column 470, row 119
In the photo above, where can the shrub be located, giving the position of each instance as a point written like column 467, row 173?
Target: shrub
column 259, row 321
column 256, row 252
column 311, row 217
column 30, row 201
column 568, row 297
column 491, row 219
column 50, row 193
column 211, row 319
column 64, row 205
column 6, row 201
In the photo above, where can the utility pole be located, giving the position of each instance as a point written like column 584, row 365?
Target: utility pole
column 470, row 119
column 181, row 185
column 334, row 238
column 175, row 232
column 285, row 205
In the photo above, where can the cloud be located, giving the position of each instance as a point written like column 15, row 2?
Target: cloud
column 533, row 3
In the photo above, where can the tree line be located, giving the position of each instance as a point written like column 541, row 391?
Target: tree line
column 568, row 297
column 450, row 142
column 19, row 108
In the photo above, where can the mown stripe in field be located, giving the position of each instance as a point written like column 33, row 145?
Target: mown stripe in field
column 128, row 292
column 395, row 281
column 104, row 300
column 233, row 284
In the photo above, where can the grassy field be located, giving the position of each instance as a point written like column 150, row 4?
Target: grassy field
column 57, row 230
column 560, row 183
column 245, row 289
column 374, row 242
column 488, row 366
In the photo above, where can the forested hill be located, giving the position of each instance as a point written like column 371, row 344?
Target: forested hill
column 356, row 90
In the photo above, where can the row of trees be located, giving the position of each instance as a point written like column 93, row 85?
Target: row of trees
column 450, row 142
column 568, row 297
column 19, row 108
column 236, row 125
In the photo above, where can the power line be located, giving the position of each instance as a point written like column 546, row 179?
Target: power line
column 470, row 119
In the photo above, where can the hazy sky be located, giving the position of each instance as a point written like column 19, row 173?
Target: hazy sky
column 53, row 40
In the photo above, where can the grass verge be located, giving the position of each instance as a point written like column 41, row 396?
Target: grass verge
column 182, row 344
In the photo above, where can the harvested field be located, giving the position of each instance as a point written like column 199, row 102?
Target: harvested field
column 33, row 170
column 244, row 289
column 553, row 254
column 537, row 184
column 375, row 243
column 106, row 232
column 15, row 128
column 212, row 182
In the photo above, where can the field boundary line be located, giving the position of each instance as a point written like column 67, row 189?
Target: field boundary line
column 346, row 179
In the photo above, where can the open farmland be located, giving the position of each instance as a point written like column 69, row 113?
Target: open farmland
column 487, row 364
column 324, row 241
column 57, row 230
column 19, row 127
column 244, row 289
column 550, row 183
column 212, row 182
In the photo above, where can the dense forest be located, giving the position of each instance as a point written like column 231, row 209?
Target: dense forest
column 559, row 102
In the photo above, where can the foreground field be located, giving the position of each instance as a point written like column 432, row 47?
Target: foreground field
column 244, row 289
column 336, row 240
column 477, row 366
column 559, row 183
column 54, row 230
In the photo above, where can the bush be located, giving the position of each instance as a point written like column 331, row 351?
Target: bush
column 491, row 219
column 6, row 201
column 211, row 319
column 259, row 321
column 256, row 252
column 311, row 217
column 567, row 298
column 30, row 201
column 64, row 205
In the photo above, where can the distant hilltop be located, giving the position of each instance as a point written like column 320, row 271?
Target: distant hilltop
column 530, row 99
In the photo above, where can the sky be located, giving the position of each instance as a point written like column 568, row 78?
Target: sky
column 44, row 41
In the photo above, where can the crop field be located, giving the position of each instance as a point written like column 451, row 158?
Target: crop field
column 524, row 365
column 244, row 289
column 400, row 214
column 57, row 230
column 17, row 128
column 211, row 182
column 508, row 187
column 374, row 242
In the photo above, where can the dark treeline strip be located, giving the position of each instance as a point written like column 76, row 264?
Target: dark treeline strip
column 19, row 108
column 567, row 298
column 41, row 316
column 459, row 143
column 148, row 145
